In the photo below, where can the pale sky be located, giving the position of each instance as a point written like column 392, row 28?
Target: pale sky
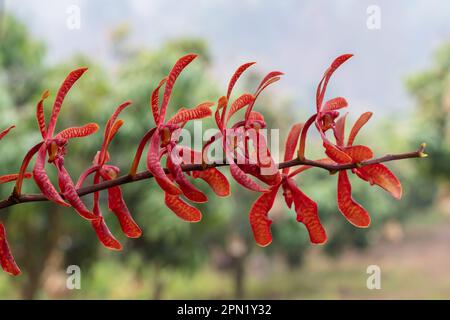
column 297, row 37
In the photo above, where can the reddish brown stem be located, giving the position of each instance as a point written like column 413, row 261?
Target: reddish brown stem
column 13, row 199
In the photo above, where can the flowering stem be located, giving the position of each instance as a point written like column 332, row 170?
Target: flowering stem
column 143, row 175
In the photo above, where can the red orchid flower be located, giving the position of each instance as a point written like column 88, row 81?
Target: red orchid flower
column 116, row 203
column 7, row 261
column 327, row 112
column 377, row 174
column 163, row 142
column 243, row 131
column 305, row 208
column 55, row 147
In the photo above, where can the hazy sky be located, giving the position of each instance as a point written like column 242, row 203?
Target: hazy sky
column 298, row 37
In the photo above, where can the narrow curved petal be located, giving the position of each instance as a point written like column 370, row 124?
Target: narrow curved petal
column 362, row 120
column 380, row 175
column 104, row 235
column 322, row 87
column 351, row 210
column 182, row 209
column 171, row 78
column 114, row 117
column 259, row 217
column 241, row 102
column 339, row 130
column 241, row 178
column 188, row 189
column 78, row 132
column 70, row 193
column 335, row 104
column 307, row 213
column 42, row 180
column 237, row 74
column 40, row 116
column 256, row 116
column 62, row 92
column 5, row 132
column 7, row 261
column 260, row 89
column 12, row 177
column 291, row 143
column 201, row 111
column 154, row 101
column 155, row 168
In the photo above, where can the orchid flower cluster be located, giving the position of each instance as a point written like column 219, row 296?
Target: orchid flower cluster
column 246, row 153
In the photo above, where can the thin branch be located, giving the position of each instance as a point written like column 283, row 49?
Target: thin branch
column 14, row 200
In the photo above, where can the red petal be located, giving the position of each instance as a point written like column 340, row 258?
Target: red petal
column 201, row 111
column 335, row 104
column 336, row 154
column 171, row 78
column 351, row 210
column 238, row 104
column 215, row 179
column 114, row 117
column 256, row 116
column 339, row 130
column 291, row 143
column 62, row 92
column 40, row 116
column 380, row 175
column 42, row 180
column 322, row 87
column 155, row 168
column 6, row 258
column 12, row 177
column 78, row 132
column 307, row 214
column 362, row 120
column 241, row 177
column 189, row 190
column 117, row 205
column 70, row 192
column 182, row 209
column 154, row 100
column 5, row 132
column 359, row 153
column 104, row 235
column 259, row 220
column 237, row 74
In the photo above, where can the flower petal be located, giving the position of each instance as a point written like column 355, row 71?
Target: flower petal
column 359, row 153
column 380, row 175
column 335, row 104
column 78, row 132
column 201, row 111
column 291, row 143
column 339, row 130
column 70, row 192
column 307, row 213
column 241, row 102
column 237, row 74
column 351, row 210
column 12, row 177
column 40, row 116
column 259, row 219
column 117, row 205
column 42, row 180
column 154, row 100
column 62, row 92
column 5, row 132
column 362, row 120
column 336, row 154
column 182, row 209
column 155, row 168
column 104, row 235
column 215, row 179
column 6, row 258
column 171, row 78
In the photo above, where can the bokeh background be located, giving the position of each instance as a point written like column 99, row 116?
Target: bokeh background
column 401, row 72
